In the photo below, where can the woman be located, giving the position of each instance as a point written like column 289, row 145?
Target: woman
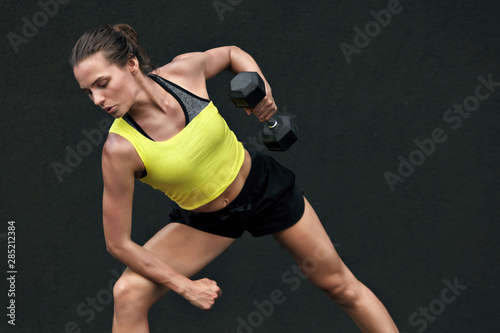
column 169, row 134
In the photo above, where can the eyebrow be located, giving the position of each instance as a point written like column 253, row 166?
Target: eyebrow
column 94, row 83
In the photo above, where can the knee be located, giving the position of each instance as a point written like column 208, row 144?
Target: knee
column 128, row 294
column 344, row 290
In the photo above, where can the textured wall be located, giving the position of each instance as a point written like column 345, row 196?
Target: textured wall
column 363, row 88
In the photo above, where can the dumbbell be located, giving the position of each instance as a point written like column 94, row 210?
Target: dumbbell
column 247, row 89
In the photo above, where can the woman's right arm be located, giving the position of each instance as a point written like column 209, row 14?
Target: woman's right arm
column 119, row 164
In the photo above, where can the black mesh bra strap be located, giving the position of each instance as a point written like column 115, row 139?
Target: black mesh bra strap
column 191, row 104
column 167, row 88
column 128, row 118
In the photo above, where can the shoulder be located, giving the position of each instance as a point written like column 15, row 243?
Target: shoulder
column 199, row 63
column 188, row 71
column 191, row 70
column 117, row 145
column 119, row 153
column 182, row 65
column 118, row 167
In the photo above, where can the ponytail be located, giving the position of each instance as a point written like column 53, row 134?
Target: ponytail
column 118, row 43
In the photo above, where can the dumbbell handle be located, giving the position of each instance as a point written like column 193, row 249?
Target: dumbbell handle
column 247, row 89
column 272, row 122
column 238, row 101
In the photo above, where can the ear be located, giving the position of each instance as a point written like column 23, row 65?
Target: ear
column 133, row 65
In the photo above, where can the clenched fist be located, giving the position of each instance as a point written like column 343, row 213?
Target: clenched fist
column 202, row 293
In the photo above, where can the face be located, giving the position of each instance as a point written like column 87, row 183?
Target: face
column 111, row 87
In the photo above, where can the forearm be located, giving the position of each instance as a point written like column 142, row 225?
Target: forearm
column 148, row 265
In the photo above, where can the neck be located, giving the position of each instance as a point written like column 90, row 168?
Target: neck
column 149, row 101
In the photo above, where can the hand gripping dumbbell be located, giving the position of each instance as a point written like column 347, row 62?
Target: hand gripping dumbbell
column 247, row 90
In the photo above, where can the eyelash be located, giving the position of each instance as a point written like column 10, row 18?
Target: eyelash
column 103, row 85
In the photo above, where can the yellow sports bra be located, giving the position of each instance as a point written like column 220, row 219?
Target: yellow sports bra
column 196, row 165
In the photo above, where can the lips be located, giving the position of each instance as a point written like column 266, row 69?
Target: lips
column 110, row 109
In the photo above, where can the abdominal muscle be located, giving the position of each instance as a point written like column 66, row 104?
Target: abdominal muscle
column 232, row 191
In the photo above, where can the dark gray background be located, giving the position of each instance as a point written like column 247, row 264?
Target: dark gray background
column 355, row 119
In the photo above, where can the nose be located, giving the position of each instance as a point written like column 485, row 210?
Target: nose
column 98, row 99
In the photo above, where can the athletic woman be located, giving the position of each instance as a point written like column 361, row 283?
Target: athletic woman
column 168, row 134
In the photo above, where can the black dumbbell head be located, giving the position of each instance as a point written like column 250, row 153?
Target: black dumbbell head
column 281, row 137
column 247, row 89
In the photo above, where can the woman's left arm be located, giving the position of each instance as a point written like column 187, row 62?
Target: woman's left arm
column 231, row 58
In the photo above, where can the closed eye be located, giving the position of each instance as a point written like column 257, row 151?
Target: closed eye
column 101, row 86
column 101, row 82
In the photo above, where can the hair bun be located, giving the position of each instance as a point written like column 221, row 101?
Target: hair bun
column 128, row 31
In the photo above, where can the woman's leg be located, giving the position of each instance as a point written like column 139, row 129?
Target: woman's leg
column 315, row 254
column 183, row 248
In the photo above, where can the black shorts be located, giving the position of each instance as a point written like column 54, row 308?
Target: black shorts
column 269, row 202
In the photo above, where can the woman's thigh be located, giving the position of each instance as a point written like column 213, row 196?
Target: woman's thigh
column 184, row 249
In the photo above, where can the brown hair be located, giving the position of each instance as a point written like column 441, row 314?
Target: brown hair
column 118, row 43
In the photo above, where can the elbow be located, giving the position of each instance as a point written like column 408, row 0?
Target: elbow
column 235, row 54
column 111, row 248
column 234, row 50
column 115, row 248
